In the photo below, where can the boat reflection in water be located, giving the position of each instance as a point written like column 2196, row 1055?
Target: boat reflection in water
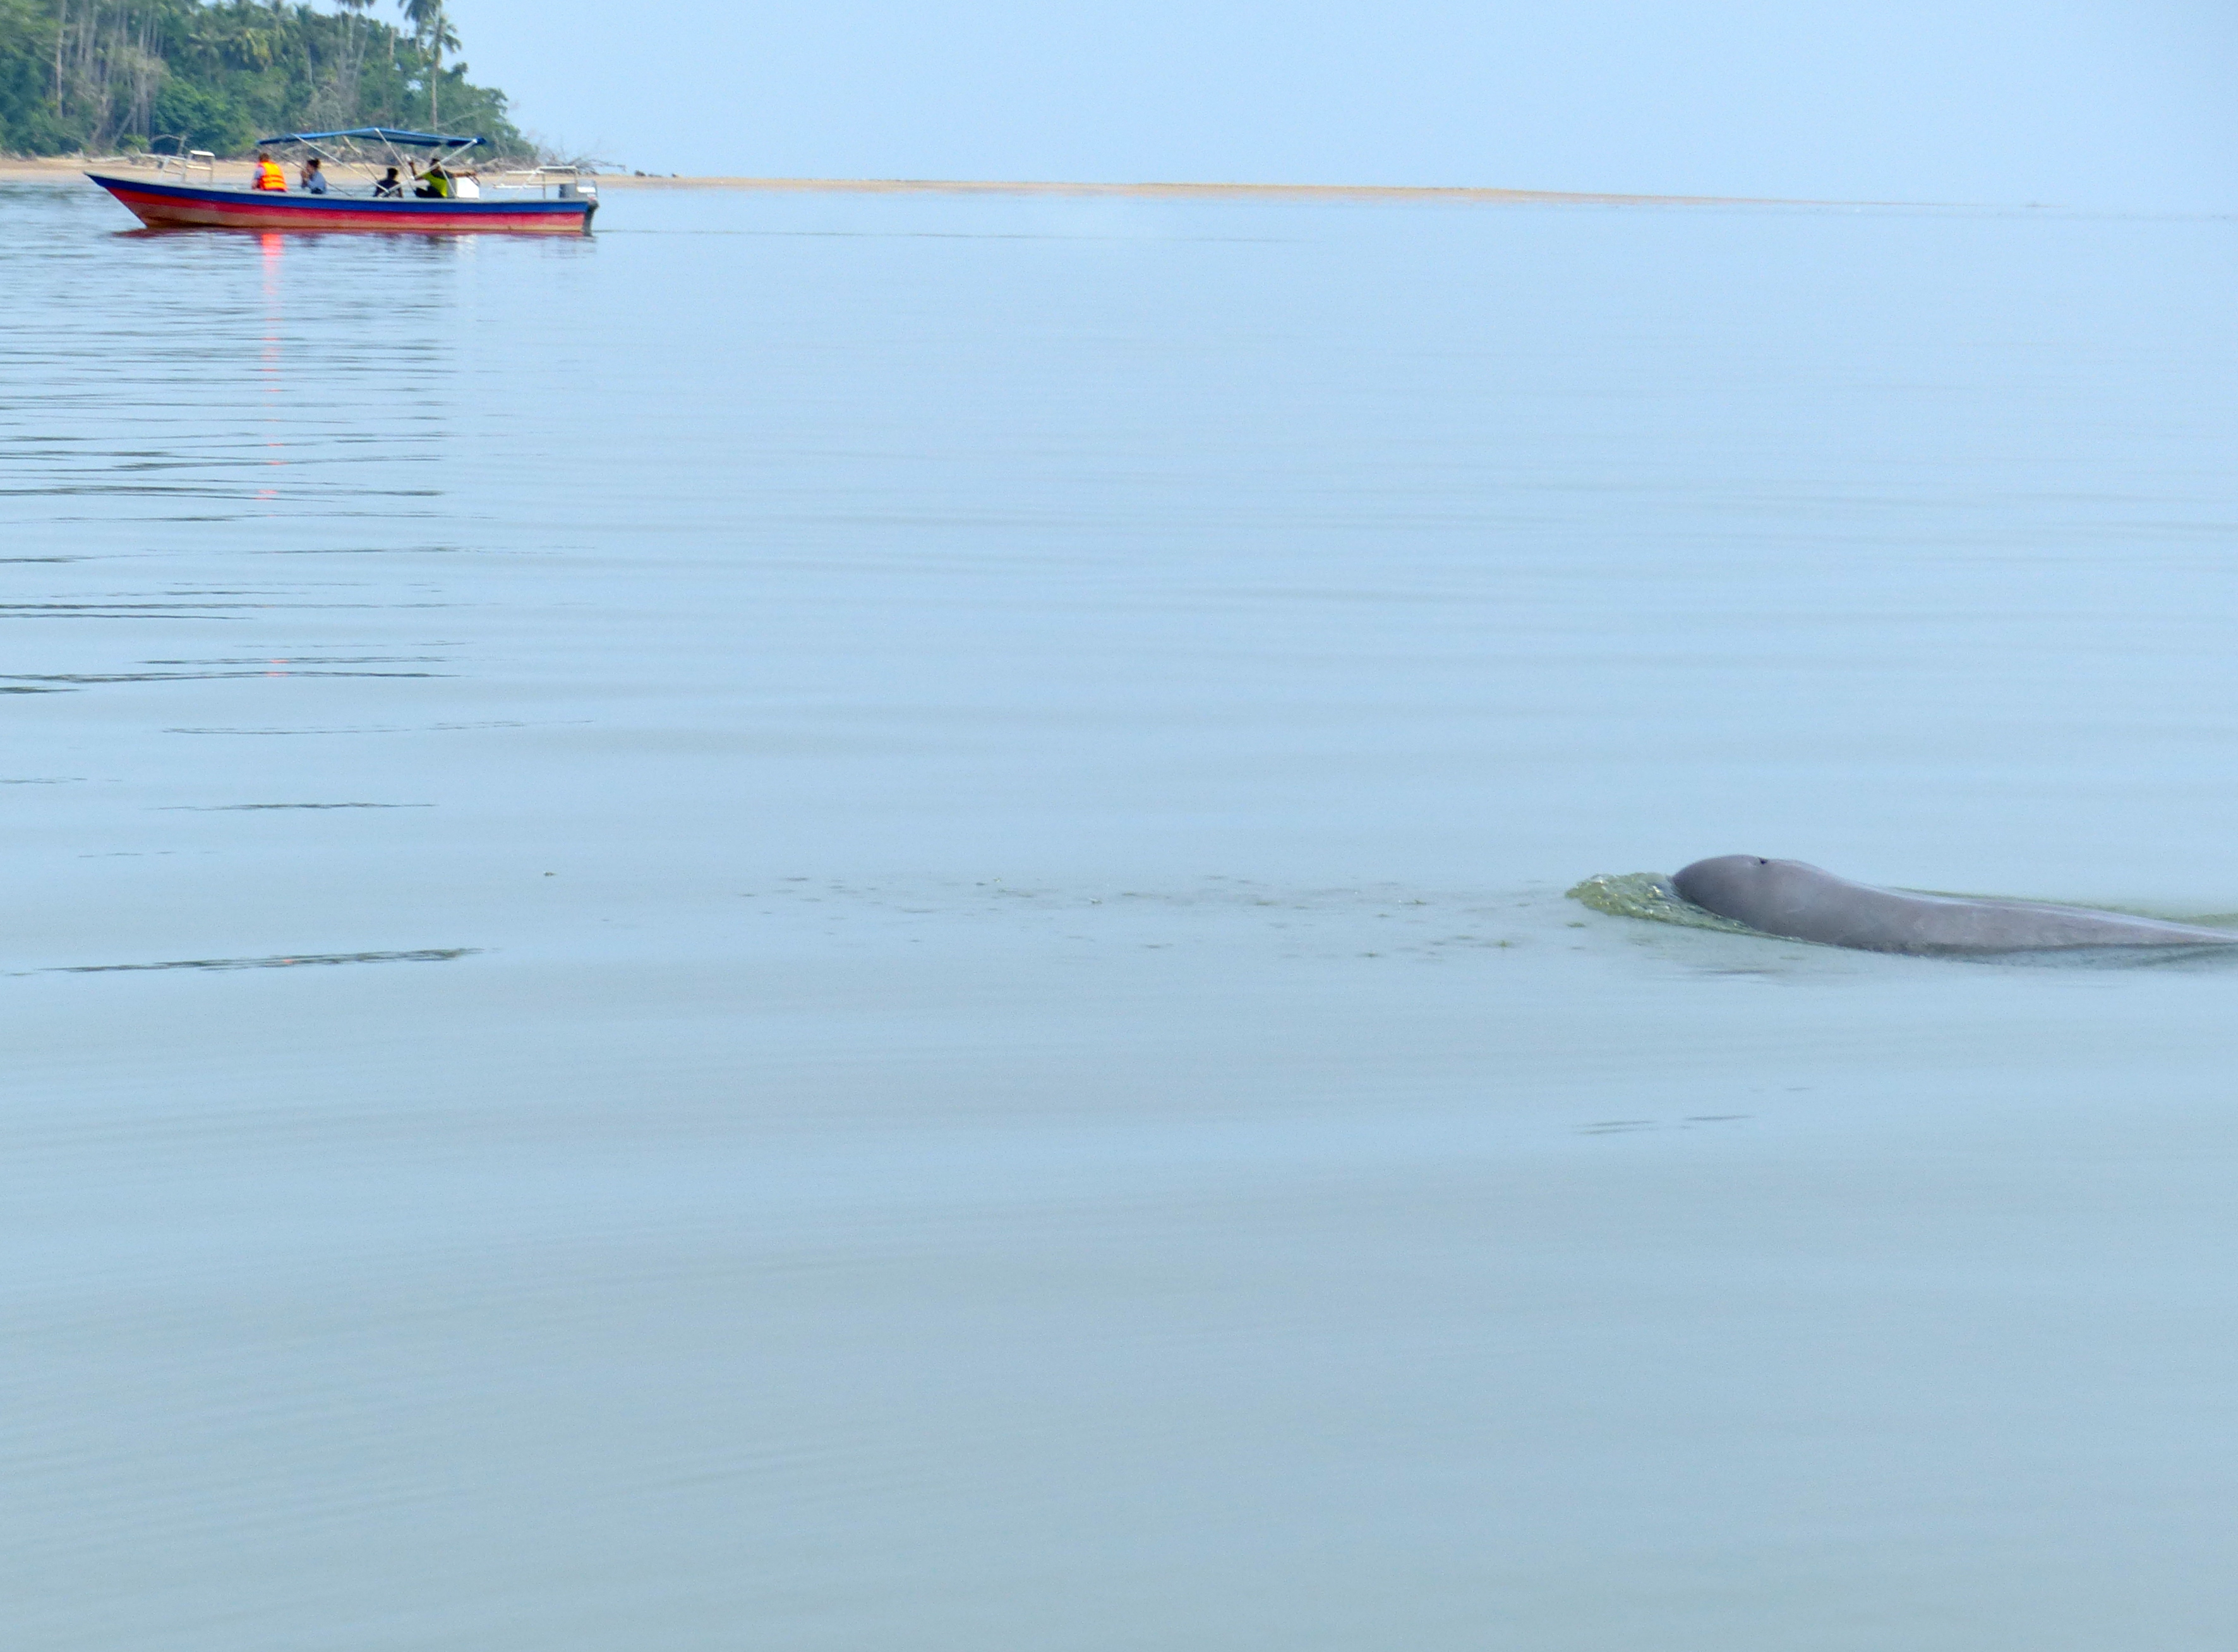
column 169, row 191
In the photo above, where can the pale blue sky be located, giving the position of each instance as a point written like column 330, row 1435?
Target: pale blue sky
column 2073, row 101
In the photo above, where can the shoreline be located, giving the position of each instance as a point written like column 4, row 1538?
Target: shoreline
column 1177, row 190
column 59, row 169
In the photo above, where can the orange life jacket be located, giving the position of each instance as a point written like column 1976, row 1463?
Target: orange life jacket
column 269, row 176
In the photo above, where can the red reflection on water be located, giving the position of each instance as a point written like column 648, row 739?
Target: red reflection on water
column 274, row 249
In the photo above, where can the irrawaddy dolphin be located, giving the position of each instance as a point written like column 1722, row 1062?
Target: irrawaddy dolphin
column 1798, row 900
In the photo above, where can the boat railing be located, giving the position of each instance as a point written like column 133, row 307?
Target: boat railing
column 184, row 166
column 546, row 182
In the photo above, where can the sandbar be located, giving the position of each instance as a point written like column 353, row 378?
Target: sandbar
column 51, row 169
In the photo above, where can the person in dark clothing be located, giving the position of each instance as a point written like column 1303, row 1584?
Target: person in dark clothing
column 391, row 185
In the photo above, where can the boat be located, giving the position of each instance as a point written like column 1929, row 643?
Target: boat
column 169, row 191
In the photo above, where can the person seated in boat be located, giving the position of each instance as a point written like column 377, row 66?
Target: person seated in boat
column 268, row 175
column 435, row 183
column 314, row 178
column 391, row 185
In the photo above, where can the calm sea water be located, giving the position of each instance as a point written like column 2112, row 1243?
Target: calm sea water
column 839, row 923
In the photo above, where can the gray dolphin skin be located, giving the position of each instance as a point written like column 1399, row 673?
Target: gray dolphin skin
column 1803, row 903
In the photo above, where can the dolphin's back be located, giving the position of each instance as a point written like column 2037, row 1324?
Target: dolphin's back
column 1889, row 920
column 1806, row 903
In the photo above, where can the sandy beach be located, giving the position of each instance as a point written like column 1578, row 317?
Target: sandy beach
column 39, row 169
column 61, row 167
column 1157, row 189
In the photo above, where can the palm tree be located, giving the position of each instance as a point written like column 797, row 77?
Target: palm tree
column 431, row 26
column 340, row 94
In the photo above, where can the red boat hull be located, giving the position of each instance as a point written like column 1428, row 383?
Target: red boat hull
column 169, row 205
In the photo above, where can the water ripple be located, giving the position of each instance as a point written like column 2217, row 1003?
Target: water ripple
column 292, row 960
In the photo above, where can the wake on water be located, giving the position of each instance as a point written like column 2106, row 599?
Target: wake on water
column 1649, row 895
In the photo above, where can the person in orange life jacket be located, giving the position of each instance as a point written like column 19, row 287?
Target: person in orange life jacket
column 269, row 174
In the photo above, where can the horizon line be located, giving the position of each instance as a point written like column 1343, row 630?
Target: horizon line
column 1485, row 192
column 21, row 167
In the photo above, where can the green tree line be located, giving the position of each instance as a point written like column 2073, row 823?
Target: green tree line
column 97, row 75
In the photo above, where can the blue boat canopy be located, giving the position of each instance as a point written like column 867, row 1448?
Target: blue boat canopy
column 385, row 133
